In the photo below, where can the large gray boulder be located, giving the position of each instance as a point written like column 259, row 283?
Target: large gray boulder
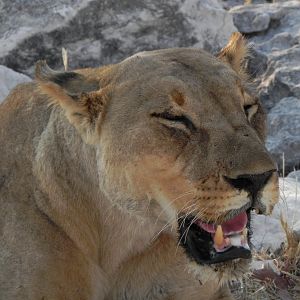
column 274, row 31
column 8, row 80
column 295, row 175
column 97, row 32
column 284, row 132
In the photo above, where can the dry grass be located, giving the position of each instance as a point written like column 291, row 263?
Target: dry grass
column 64, row 54
column 279, row 278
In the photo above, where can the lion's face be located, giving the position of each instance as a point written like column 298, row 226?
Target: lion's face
column 180, row 140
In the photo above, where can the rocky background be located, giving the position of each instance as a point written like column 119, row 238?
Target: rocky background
column 97, row 32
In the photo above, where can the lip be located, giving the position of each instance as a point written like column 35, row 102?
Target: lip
column 199, row 244
column 232, row 213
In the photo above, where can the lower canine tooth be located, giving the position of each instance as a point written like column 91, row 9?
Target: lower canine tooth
column 235, row 240
column 219, row 238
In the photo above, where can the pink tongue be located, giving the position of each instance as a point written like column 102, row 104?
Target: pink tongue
column 235, row 224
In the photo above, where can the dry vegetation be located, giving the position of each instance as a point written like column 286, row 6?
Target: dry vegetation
column 279, row 275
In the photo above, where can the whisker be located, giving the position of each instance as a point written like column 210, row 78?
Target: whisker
column 185, row 233
column 187, row 215
column 186, row 206
column 171, row 202
column 162, row 229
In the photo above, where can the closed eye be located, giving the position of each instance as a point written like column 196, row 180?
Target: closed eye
column 181, row 119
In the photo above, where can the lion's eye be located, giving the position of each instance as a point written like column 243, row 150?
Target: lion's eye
column 250, row 110
column 175, row 119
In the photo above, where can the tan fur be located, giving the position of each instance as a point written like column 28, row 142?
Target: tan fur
column 91, row 187
column 235, row 52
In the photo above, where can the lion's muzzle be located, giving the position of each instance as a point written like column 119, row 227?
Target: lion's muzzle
column 210, row 242
column 253, row 184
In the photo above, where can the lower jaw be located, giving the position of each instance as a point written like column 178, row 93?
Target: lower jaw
column 222, row 273
column 229, row 255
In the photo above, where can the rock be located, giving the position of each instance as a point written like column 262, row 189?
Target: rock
column 278, row 42
column 259, row 17
column 295, row 175
column 281, row 78
column 278, row 86
column 274, row 31
column 284, row 132
column 103, row 32
column 256, row 64
column 267, row 230
column 251, row 21
column 227, row 4
column 9, row 79
column 264, row 264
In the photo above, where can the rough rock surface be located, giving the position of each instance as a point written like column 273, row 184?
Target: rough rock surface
column 274, row 31
column 284, row 130
column 295, row 175
column 227, row 4
column 9, row 79
column 99, row 32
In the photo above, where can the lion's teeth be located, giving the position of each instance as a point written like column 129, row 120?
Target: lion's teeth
column 236, row 240
column 219, row 237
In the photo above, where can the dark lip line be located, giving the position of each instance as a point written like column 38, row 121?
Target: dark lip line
column 232, row 213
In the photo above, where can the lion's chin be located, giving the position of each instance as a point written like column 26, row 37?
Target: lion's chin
column 221, row 273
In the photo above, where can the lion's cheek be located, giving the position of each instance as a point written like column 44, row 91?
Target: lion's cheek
column 161, row 179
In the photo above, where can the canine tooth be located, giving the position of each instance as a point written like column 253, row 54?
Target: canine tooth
column 219, row 238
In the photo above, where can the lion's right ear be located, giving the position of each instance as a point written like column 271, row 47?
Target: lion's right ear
column 235, row 52
column 81, row 98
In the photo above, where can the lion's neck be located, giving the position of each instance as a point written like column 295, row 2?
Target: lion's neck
column 70, row 195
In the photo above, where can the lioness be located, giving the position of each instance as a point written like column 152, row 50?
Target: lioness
column 132, row 181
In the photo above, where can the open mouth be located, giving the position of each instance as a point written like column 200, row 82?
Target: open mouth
column 209, row 243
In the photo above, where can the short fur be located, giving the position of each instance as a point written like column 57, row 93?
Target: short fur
column 91, row 187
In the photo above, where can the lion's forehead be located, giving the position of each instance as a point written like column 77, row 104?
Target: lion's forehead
column 186, row 64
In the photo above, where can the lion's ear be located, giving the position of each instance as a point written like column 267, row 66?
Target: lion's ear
column 235, row 52
column 82, row 99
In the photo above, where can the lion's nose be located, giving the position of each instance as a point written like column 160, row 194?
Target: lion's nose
column 251, row 183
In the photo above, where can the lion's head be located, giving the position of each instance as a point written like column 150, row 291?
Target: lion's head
column 180, row 140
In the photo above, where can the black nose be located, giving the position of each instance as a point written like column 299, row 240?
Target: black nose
column 250, row 183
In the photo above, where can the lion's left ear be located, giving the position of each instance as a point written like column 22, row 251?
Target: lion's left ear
column 235, row 52
column 81, row 98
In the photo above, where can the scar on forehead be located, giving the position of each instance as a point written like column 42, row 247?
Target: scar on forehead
column 177, row 97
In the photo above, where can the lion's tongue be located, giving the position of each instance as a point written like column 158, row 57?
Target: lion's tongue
column 236, row 224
